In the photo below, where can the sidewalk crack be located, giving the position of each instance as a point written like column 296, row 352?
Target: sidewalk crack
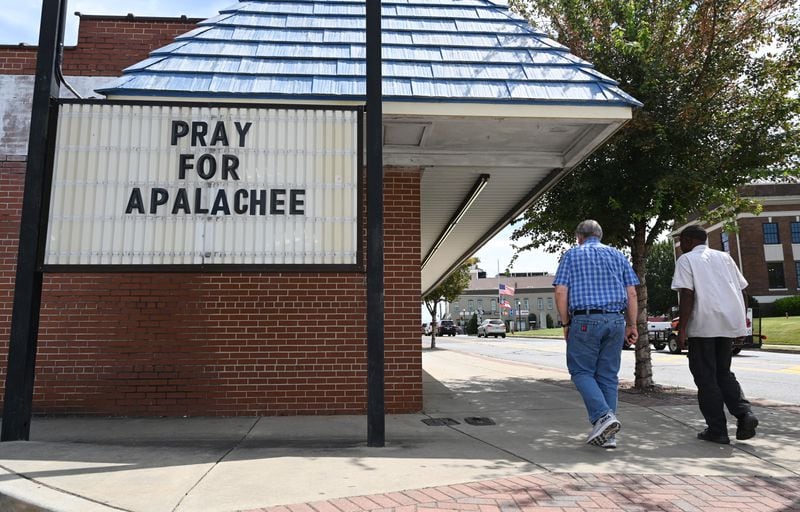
column 216, row 463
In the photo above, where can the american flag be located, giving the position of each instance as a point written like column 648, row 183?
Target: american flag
column 506, row 290
column 505, row 304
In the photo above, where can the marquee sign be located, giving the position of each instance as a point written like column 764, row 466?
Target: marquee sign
column 138, row 184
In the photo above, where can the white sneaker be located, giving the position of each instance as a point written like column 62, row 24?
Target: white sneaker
column 604, row 428
column 611, row 442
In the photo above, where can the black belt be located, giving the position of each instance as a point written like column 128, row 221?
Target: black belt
column 593, row 312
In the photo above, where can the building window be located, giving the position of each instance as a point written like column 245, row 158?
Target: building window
column 471, row 305
column 549, row 303
column 796, row 232
column 726, row 244
column 541, row 303
column 456, row 307
column 527, row 306
column 480, row 306
column 797, row 273
column 771, row 233
column 775, row 275
column 493, row 304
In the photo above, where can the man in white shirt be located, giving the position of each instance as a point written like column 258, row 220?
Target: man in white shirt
column 712, row 313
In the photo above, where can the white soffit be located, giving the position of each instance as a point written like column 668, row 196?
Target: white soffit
column 444, row 189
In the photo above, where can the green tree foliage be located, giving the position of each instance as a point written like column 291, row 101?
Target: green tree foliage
column 719, row 82
column 660, row 267
column 790, row 305
column 472, row 325
column 549, row 321
column 448, row 291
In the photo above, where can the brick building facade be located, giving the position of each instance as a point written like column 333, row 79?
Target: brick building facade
column 766, row 246
column 224, row 344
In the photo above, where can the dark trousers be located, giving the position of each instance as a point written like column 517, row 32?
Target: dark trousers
column 710, row 364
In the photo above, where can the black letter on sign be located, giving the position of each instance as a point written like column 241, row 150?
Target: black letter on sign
column 221, row 204
column 296, row 202
column 240, row 202
column 135, row 202
column 185, row 165
column 219, row 135
column 198, row 202
column 199, row 131
column 276, row 203
column 179, row 129
column 242, row 132
column 229, row 165
column 182, row 203
column 204, row 173
column 158, row 196
column 258, row 202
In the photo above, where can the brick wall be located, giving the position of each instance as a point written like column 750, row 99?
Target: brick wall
column 220, row 344
column 12, row 174
column 751, row 242
column 755, row 266
column 106, row 45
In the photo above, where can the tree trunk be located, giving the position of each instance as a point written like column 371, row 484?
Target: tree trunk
column 643, row 372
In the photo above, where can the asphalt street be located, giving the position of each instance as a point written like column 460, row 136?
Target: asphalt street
column 763, row 375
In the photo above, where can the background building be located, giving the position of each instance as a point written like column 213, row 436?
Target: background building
column 533, row 300
column 766, row 246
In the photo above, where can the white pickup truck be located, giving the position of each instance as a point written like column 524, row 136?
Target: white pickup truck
column 661, row 335
column 658, row 333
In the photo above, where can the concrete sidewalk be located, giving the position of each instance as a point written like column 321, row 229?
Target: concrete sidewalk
column 532, row 457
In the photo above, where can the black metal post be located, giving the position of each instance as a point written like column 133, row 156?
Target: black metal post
column 18, row 398
column 376, row 421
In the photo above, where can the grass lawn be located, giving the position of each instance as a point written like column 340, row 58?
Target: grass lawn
column 541, row 333
column 778, row 330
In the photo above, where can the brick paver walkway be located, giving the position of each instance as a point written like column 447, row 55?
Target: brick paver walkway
column 565, row 492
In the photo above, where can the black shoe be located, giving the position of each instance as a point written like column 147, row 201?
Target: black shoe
column 746, row 426
column 707, row 435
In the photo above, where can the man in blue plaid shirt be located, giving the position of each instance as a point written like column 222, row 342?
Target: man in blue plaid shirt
column 595, row 289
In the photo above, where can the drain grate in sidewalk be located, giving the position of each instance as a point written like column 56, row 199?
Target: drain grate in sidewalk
column 439, row 422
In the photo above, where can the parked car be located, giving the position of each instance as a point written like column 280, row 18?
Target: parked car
column 426, row 329
column 446, row 327
column 492, row 327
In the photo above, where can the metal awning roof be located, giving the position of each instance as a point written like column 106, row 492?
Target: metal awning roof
column 433, row 50
column 470, row 90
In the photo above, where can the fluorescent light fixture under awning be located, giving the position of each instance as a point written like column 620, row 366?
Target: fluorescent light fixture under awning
column 480, row 184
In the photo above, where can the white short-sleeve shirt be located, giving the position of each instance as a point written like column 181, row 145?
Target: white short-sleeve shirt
column 717, row 284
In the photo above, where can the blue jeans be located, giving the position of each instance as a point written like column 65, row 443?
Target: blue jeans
column 594, row 350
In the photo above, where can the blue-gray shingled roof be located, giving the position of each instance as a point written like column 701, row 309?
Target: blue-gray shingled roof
column 433, row 50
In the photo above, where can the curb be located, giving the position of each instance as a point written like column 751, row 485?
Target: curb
column 789, row 349
column 782, row 349
column 11, row 504
column 21, row 494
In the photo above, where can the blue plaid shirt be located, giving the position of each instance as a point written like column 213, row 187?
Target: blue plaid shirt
column 596, row 275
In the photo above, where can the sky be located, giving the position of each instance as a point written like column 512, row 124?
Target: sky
column 21, row 25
